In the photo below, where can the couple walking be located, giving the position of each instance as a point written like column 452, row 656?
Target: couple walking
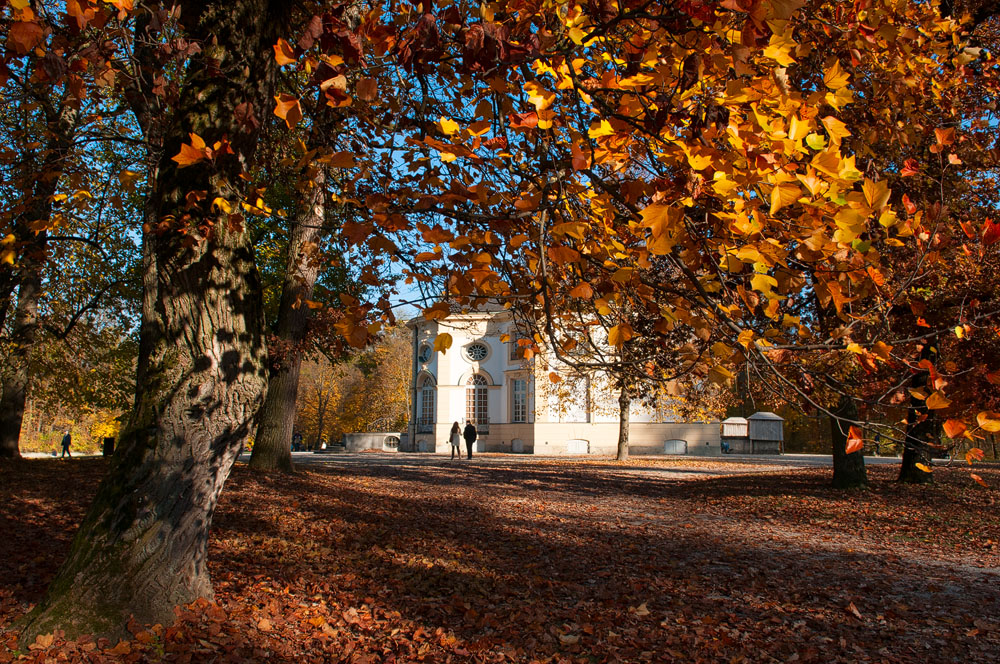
column 456, row 439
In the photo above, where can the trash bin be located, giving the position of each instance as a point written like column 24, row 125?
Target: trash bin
column 109, row 446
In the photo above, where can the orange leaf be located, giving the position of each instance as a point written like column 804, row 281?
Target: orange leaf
column 854, row 441
column 945, row 136
column 619, row 334
column 191, row 154
column 288, row 109
column 922, row 467
column 583, row 291
column 954, row 428
column 24, row 36
column 979, row 480
column 283, row 53
column 555, row 378
column 975, row 454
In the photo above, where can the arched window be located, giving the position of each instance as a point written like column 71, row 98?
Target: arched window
column 477, row 402
column 426, row 402
column 425, row 354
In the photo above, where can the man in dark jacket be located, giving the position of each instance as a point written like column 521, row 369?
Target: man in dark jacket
column 470, row 436
column 66, row 442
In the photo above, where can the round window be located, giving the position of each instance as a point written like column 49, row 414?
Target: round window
column 425, row 353
column 477, row 352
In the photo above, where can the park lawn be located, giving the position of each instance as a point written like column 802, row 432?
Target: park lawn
column 523, row 560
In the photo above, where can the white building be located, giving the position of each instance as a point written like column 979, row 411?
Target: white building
column 483, row 378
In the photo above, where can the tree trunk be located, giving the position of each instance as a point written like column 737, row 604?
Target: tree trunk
column 624, row 401
column 848, row 469
column 17, row 373
column 142, row 547
column 273, row 441
column 921, row 428
column 60, row 123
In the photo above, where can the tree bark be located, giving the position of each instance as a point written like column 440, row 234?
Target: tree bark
column 142, row 547
column 624, row 402
column 921, row 428
column 273, row 440
column 848, row 469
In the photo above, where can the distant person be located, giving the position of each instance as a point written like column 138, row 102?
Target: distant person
column 296, row 442
column 470, row 436
column 455, row 438
column 66, row 442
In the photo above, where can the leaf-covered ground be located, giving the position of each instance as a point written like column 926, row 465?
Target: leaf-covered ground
column 522, row 560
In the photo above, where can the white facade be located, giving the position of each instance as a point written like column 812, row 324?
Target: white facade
column 483, row 378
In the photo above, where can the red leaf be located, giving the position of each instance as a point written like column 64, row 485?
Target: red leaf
column 910, row 167
column 527, row 120
column 991, row 232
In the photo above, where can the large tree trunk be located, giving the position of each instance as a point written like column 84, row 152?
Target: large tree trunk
column 624, row 402
column 142, row 547
column 848, row 469
column 921, row 428
column 273, row 440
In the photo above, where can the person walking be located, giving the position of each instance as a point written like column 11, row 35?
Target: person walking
column 470, row 436
column 66, row 442
column 455, row 438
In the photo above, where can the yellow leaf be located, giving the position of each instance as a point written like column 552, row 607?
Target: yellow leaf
column 602, row 128
column 699, row 162
column 763, row 283
column 936, row 401
column 7, row 256
column 283, row 53
column 783, row 195
column 835, row 77
column 721, row 350
column 442, row 342
column 798, row 129
column 923, row 467
column 222, row 204
column 448, row 125
column 312, row 304
column 720, row 375
column 836, row 129
column 989, row 421
column 745, row 337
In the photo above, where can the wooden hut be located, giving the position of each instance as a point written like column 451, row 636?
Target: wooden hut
column 735, row 435
column 766, row 433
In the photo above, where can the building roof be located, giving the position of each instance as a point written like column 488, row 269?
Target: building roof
column 766, row 415
column 735, row 420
